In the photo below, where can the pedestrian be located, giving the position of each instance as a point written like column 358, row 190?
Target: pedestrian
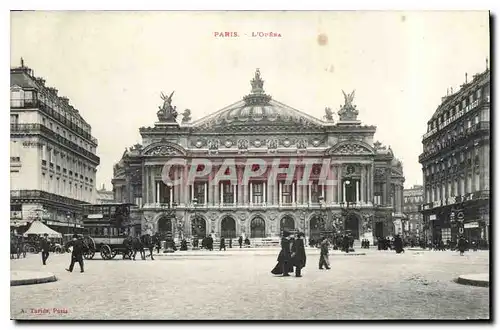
column 398, row 244
column 210, row 243
column 299, row 254
column 323, row 256
column 77, row 253
column 284, row 265
column 247, row 242
column 461, row 245
column 45, row 244
column 222, row 244
column 231, row 243
column 240, row 241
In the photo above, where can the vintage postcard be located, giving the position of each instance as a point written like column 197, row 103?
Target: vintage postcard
column 250, row 165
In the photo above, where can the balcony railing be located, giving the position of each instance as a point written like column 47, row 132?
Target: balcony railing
column 38, row 194
column 30, row 104
column 62, row 140
column 483, row 194
column 459, row 114
column 481, row 126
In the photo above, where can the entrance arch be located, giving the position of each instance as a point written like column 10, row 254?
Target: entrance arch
column 165, row 226
column 199, row 227
column 352, row 224
column 228, row 227
column 287, row 223
column 315, row 227
column 257, row 228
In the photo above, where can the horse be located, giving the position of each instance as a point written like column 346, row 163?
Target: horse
column 128, row 243
column 148, row 242
column 138, row 246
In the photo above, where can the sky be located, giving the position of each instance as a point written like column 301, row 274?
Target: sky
column 113, row 66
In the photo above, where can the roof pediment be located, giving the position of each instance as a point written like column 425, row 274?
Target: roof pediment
column 163, row 148
column 351, row 147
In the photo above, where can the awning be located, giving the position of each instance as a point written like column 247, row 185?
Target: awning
column 38, row 228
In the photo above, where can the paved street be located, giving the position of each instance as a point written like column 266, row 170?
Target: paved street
column 379, row 285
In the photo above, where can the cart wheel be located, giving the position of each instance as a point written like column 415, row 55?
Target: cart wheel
column 30, row 249
column 105, row 252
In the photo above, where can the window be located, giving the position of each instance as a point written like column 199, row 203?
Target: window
column 199, row 192
column 258, row 192
column 14, row 119
column 315, row 192
column 478, row 94
column 286, row 194
column 476, row 119
column 471, row 98
column 464, row 101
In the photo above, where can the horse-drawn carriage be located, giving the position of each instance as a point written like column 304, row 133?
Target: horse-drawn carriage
column 111, row 233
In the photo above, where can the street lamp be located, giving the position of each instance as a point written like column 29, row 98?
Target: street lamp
column 170, row 213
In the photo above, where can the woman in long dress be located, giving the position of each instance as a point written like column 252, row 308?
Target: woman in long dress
column 284, row 265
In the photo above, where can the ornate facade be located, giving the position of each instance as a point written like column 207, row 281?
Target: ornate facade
column 53, row 161
column 413, row 199
column 456, row 164
column 366, row 196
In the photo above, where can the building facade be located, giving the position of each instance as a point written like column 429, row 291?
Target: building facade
column 456, row 164
column 413, row 219
column 366, row 196
column 52, row 155
column 104, row 196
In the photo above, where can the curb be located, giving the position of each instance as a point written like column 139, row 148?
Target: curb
column 482, row 280
column 29, row 278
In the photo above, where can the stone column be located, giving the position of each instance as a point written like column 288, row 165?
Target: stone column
column 172, row 195
column 280, row 193
column 235, row 188
column 157, row 200
column 206, row 194
column 330, row 198
column 251, row 193
column 215, row 193
column 339, row 184
column 145, row 185
column 363, row 183
column 343, row 192
column 293, row 193
column 241, row 197
column 357, row 192
column 177, row 187
column 245, row 194
column 221, row 190
column 192, row 193
column 276, row 192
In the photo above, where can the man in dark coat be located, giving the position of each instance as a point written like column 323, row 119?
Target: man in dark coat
column 461, row 245
column 323, row 257
column 210, row 243
column 345, row 243
column 77, row 253
column 398, row 244
column 222, row 244
column 45, row 244
column 299, row 254
column 240, row 241
column 284, row 265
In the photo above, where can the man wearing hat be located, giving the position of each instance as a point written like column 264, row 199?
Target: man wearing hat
column 45, row 245
column 77, row 253
column 299, row 254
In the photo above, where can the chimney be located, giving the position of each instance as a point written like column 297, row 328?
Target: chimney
column 64, row 99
